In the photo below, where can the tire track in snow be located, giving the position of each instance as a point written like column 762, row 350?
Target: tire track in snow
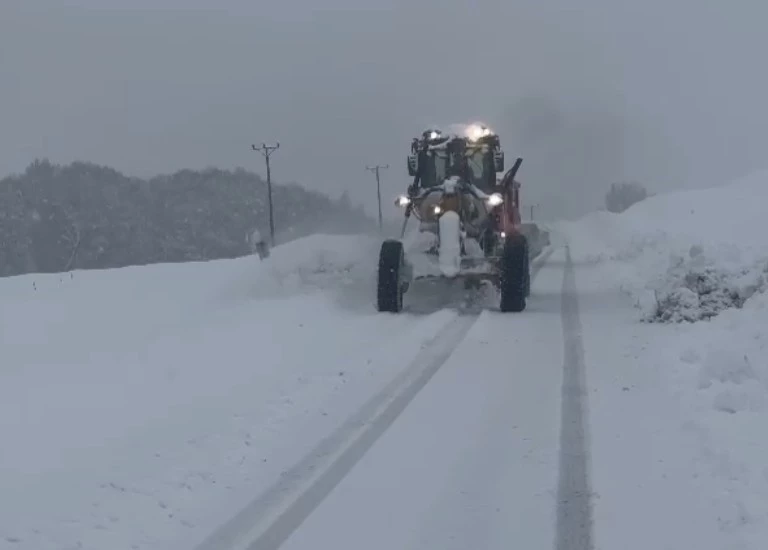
column 540, row 260
column 574, row 507
column 271, row 518
column 268, row 521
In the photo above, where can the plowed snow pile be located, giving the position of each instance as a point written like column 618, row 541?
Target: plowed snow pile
column 698, row 261
column 343, row 267
column 683, row 256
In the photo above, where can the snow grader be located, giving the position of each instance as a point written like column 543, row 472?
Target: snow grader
column 469, row 217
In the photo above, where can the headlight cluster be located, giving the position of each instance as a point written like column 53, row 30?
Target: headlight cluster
column 495, row 199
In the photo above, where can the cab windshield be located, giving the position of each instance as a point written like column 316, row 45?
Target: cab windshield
column 479, row 168
column 437, row 167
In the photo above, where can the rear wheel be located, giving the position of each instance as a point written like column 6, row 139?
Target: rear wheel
column 514, row 274
column 390, row 289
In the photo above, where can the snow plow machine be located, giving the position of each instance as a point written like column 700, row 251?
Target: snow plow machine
column 470, row 215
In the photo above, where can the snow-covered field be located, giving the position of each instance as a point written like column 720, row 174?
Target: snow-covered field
column 143, row 408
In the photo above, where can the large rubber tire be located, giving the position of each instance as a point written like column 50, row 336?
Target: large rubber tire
column 527, row 269
column 514, row 267
column 389, row 293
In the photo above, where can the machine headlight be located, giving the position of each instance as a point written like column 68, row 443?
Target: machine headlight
column 495, row 199
column 437, row 210
column 431, row 135
column 402, row 200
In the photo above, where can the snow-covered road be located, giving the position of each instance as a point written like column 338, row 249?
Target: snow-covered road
column 472, row 462
column 440, row 474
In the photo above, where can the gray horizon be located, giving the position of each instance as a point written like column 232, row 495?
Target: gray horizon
column 665, row 93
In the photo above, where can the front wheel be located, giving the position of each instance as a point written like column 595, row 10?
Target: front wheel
column 390, row 287
column 514, row 274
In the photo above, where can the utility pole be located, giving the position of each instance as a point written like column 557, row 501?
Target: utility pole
column 375, row 169
column 267, row 151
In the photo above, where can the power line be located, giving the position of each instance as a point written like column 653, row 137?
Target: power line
column 375, row 170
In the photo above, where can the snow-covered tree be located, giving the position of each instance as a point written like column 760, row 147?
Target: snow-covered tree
column 623, row 195
column 83, row 216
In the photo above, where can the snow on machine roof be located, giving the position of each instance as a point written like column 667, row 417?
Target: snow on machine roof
column 473, row 134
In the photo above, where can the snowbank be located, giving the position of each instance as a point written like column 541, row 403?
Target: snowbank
column 682, row 256
column 698, row 260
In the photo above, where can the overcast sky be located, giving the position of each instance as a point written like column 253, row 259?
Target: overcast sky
column 668, row 92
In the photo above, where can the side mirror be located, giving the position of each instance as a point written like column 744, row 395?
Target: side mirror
column 413, row 165
column 498, row 161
